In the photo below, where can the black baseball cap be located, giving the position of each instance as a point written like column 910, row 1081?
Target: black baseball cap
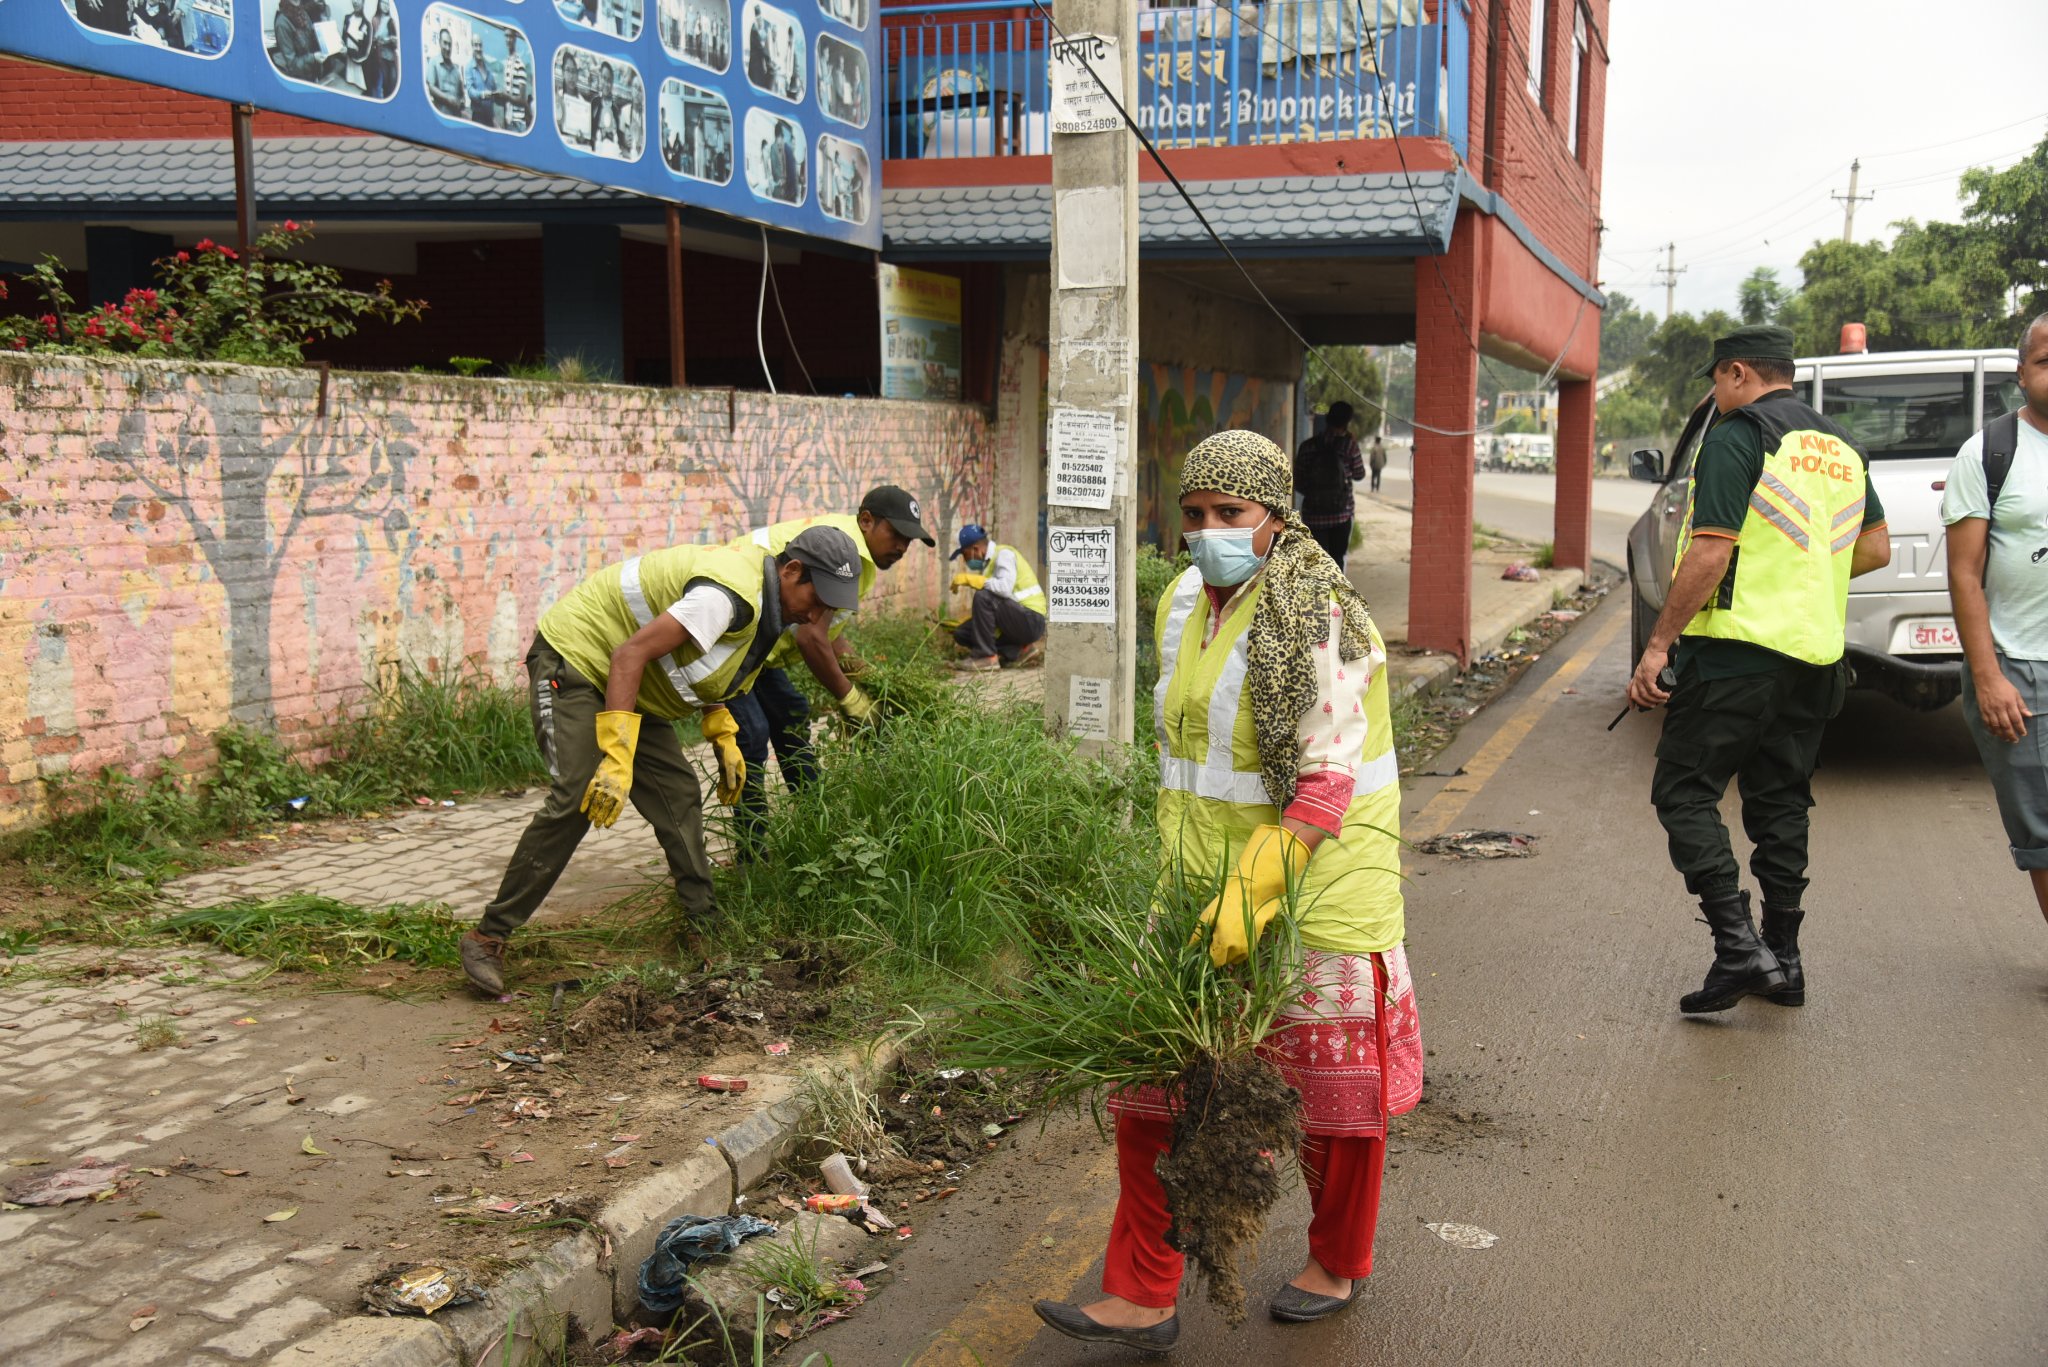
column 834, row 563
column 1756, row 342
column 899, row 510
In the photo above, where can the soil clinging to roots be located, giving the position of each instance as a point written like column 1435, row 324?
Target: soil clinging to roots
column 1238, row 1123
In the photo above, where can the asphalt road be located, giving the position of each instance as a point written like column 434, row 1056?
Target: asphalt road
column 1524, row 506
column 1863, row 1181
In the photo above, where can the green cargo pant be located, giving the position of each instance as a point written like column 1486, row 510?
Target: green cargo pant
column 1763, row 730
column 564, row 706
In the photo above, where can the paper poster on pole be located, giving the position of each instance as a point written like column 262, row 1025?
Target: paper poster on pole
column 1081, row 574
column 1080, row 104
column 1082, row 453
column 1088, row 708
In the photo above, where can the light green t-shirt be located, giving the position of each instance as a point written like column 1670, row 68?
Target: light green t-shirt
column 2015, row 570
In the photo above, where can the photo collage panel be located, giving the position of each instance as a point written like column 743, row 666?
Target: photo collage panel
column 477, row 70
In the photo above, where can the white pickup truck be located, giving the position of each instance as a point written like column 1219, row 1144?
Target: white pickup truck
column 1907, row 411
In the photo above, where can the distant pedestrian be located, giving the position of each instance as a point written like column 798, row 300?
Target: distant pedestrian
column 1377, row 461
column 1780, row 515
column 1995, row 507
column 1006, row 622
column 1325, row 468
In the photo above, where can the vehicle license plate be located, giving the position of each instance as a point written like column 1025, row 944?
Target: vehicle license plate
column 1927, row 636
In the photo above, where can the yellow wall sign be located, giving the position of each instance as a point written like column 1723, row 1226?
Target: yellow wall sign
column 920, row 334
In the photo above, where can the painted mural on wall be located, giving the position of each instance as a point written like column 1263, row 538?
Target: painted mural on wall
column 1177, row 407
column 186, row 547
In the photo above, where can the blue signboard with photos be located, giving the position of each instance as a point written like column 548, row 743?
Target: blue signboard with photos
column 765, row 111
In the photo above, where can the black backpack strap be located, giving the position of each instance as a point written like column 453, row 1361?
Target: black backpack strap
column 2001, row 440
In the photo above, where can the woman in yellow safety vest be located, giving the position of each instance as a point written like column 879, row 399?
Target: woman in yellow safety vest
column 1264, row 640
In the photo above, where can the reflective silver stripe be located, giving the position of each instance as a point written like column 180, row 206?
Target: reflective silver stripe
column 1847, row 539
column 1778, row 518
column 1183, row 605
column 636, row 601
column 1854, row 510
column 1778, row 487
column 707, row 663
column 1223, row 700
column 1378, row 773
column 1221, row 785
column 761, row 538
column 679, row 678
column 1033, row 592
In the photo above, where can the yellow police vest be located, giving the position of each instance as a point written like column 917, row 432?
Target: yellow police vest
column 1787, row 586
column 775, row 539
column 604, row 611
column 1026, row 590
column 1212, row 795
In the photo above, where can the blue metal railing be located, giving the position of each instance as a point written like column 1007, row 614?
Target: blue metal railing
column 970, row 80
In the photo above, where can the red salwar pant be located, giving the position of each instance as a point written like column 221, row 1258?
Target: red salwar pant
column 1344, row 1194
column 1343, row 1177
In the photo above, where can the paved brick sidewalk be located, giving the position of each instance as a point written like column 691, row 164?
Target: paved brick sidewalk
column 76, row 1084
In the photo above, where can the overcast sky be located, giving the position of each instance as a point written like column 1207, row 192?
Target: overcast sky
column 1728, row 127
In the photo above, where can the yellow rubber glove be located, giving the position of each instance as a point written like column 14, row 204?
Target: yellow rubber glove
column 1253, row 893
column 967, row 579
column 858, row 705
column 722, row 729
column 617, row 735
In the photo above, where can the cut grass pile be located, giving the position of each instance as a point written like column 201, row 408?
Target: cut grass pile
column 306, row 933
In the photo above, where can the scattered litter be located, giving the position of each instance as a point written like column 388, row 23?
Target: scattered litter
column 717, row 1082
column 948, row 1074
column 142, row 1319
column 521, row 1157
column 617, row 1157
column 870, row 1270
column 832, row 1202
column 505, row 1207
column 277, row 1216
column 1535, row 812
column 307, row 1145
column 625, row 1138
column 903, row 1231
column 528, row 1106
column 234, row 1172
column 991, row 1130
column 779, row 1047
column 1480, row 845
column 447, row 802
column 1463, row 1236
column 92, row 1179
column 243, row 1020
column 1521, row 574
column 419, row 1290
column 423, row 802
column 683, row 1241
column 1564, row 614
column 514, row 1056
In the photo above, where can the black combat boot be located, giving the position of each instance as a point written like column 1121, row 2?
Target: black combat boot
column 1742, row 963
column 1781, row 935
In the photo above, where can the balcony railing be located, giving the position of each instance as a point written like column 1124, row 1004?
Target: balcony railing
column 970, row 79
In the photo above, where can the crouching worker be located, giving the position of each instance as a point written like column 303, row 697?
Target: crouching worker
column 1007, row 622
column 666, row 635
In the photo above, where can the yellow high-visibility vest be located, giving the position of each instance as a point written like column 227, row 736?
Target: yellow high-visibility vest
column 1212, row 795
column 604, row 611
column 775, row 539
column 1787, row 586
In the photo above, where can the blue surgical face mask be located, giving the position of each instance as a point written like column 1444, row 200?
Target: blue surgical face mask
column 977, row 565
column 1224, row 555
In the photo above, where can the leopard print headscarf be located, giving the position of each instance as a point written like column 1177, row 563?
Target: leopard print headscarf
column 1293, row 616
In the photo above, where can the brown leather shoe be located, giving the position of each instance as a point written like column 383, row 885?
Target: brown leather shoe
column 483, row 963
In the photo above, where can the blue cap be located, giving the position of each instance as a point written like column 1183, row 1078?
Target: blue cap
column 973, row 534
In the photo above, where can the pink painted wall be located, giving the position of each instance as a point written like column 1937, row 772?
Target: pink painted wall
column 182, row 547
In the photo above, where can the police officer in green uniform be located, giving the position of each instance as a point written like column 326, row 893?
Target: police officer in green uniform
column 670, row 634
column 1780, row 516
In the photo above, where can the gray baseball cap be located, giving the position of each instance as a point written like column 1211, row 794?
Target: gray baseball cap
column 834, row 563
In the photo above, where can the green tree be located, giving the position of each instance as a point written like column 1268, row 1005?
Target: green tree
column 1761, row 298
column 1625, row 333
column 1667, row 374
column 1346, row 372
column 1517, row 420
column 2009, row 210
column 1626, row 415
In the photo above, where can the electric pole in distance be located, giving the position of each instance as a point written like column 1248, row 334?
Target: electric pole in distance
column 1849, row 201
column 1671, row 270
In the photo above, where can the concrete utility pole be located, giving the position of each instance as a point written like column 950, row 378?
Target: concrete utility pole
column 1091, row 515
column 1849, row 201
column 1671, row 270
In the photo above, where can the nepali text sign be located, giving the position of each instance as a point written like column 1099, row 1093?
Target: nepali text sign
column 1081, row 574
column 1229, row 93
column 742, row 106
column 920, row 334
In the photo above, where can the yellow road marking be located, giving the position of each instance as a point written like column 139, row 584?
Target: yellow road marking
column 1449, row 803
column 999, row 1321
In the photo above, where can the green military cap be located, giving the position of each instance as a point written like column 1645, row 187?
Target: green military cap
column 1757, row 342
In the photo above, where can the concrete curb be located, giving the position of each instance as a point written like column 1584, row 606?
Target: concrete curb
column 1420, row 676
column 571, row 1279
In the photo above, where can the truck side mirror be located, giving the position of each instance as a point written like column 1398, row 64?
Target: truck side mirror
column 1646, row 464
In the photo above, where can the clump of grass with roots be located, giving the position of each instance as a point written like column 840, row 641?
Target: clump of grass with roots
column 1122, row 995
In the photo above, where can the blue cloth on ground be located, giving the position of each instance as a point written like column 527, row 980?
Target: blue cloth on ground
column 685, row 1240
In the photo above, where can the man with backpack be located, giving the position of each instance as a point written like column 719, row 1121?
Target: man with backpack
column 1995, row 506
column 1325, row 468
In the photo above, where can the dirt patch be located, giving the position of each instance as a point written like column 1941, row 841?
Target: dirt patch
column 1238, row 1125
column 1444, row 1121
column 747, row 1007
